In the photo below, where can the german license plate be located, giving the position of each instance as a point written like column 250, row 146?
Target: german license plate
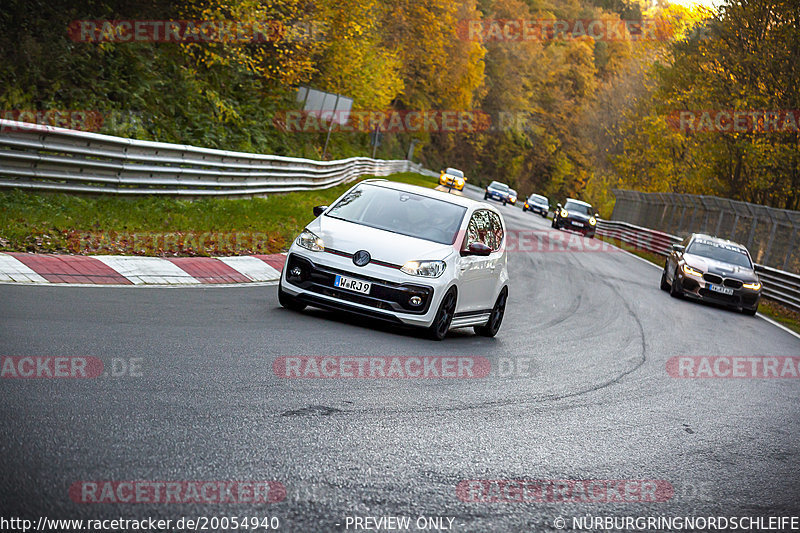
column 578, row 224
column 721, row 290
column 355, row 285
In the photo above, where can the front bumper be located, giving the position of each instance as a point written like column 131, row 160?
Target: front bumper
column 577, row 225
column 496, row 196
column 388, row 298
column 698, row 289
column 537, row 209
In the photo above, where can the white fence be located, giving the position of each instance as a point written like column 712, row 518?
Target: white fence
column 56, row 159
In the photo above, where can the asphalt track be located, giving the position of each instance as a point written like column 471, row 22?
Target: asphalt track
column 579, row 390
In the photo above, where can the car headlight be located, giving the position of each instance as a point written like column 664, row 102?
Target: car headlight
column 460, row 182
column 752, row 286
column 692, row 271
column 564, row 213
column 592, row 221
column 426, row 269
column 309, row 241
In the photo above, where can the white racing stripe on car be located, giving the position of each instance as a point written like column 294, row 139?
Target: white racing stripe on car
column 14, row 270
column 143, row 270
column 252, row 268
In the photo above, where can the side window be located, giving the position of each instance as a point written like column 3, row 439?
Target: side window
column 497, row 231
column 485, row 227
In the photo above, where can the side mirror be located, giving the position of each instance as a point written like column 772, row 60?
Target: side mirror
column 558, row 206
column 678, row 247
column 477, row 248
column 318, row 210
column 597, row 215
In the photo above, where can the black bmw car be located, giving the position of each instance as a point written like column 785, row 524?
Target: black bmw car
column 576, row 216
column 712, row 269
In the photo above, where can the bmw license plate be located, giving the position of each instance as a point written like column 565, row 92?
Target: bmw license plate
column 578, row 224
column 721, row 290
column 355, row 285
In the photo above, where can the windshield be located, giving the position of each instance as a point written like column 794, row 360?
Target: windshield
column 579, row 208
column 724, row 253
column 400, row 212
column 454, row 172
column 499, row 186
column 537, row 199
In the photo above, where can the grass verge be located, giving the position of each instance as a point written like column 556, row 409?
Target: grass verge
column 155, row 226
column 769, row 308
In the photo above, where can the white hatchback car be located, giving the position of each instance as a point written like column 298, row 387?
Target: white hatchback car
column 405, row 254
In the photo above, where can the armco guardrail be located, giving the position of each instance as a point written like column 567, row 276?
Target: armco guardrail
column 48, row 158
column 783, row 287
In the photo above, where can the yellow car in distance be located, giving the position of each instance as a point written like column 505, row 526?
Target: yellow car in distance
column 452, row 177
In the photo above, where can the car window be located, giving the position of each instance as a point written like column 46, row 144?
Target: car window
column 725, row 253
column 578, row 208
column 485, row 227
column 499, row 186
column 406, row 213
column 454, row 172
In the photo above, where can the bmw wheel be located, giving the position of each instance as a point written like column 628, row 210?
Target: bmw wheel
column 492, row 325
column 664, row 284
column 674, row 289
column 441, row 323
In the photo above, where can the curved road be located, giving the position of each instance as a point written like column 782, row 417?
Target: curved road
column 578, row 390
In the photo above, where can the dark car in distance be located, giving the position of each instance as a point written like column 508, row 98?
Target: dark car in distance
column 536, row 203
column 576, row 215
column 497, row 191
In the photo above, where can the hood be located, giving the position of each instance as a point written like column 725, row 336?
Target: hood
column 382, row 245
column 726, row 270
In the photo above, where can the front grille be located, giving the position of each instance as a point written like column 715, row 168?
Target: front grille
column 384, row 295
column 712, row 278
column 733, row 283
column 727, row 298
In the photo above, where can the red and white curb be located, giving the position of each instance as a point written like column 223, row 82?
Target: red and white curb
column 134, row 270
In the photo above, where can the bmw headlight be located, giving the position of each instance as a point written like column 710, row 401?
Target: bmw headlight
column 309, row 241
column 752, row 286
column 426, row 269
column 592, row 221
column 692, row 271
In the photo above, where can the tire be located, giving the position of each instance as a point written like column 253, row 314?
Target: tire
column 674, row 290
column 553, row 224
column 444, row 316
column 544, row 216
column 664, row 284
column 492, row 326
column 750, row 312
column 485, row 196
column 288, row 301
column 504, row 202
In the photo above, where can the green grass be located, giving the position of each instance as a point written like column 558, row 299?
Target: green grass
column 777, row 312
column 61, row 223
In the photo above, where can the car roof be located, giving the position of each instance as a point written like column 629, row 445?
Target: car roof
column 498, row 183
column 707, row 237
column 574, row 201
column 425, row 191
